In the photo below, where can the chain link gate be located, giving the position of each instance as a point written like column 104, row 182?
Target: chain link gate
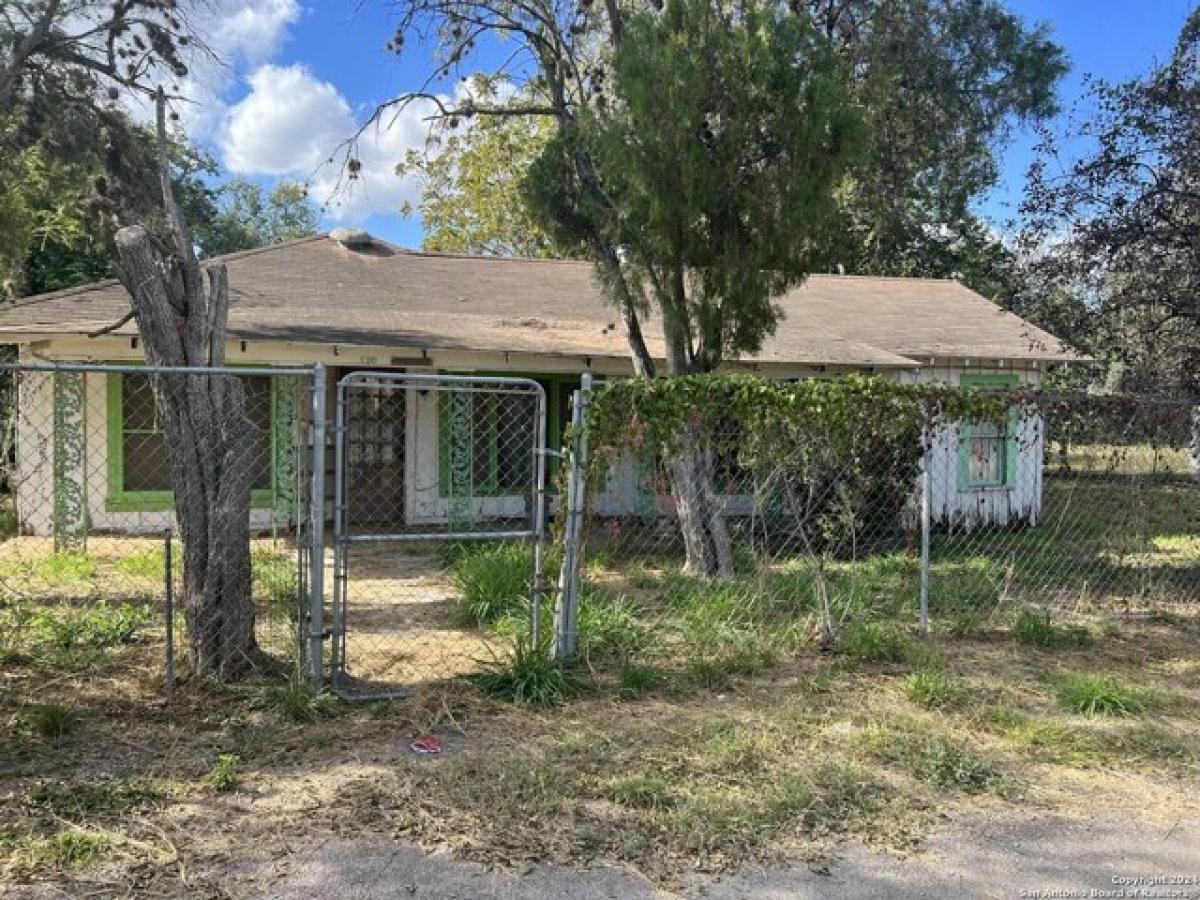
column 438, row 525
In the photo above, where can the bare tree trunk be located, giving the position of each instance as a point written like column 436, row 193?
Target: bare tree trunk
column 208, row 438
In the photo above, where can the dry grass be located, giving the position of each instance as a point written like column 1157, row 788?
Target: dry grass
column 782, row 761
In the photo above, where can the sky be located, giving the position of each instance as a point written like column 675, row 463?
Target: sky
column 297, row 78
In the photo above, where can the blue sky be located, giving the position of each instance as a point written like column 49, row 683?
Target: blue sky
column 299, row 76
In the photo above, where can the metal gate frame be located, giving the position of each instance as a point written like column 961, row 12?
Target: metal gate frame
column 344, row 536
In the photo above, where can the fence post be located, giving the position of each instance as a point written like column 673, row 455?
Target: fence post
column 926, row 488
column 316, row 556
column 169, row 615
column 566, row 613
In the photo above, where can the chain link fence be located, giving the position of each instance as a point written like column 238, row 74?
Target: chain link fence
column 854, row 527
column 439, row 510
column 92, row 574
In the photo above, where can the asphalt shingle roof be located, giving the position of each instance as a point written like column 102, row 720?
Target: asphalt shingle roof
column 316, row 290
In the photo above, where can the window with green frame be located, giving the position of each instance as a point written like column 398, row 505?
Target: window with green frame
column 497, row 429
column 988, row 454
column 139, row 474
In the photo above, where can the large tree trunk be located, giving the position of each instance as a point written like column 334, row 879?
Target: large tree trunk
column 209, row 440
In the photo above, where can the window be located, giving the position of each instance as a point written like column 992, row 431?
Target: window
column 485, row 443
column 139, row 472
column 987, row 451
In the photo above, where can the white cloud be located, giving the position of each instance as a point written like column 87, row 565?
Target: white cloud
column 252, row 32
column 292, row 123
column 288, row 123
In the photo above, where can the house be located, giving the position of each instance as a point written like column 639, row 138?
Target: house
column 373, row 306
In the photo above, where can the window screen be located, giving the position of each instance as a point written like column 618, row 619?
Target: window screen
column 144, row 462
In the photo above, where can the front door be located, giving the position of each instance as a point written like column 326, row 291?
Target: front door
column 375, row 455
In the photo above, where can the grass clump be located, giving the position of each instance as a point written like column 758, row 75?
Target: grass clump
column 637, row 680
column 936, row 759
column 1093, row 695
column 64, row 568
column 529, row 676
column 933, row 689
column 148, row 563
column 492, row 581
column 79, row 799
column 642, row 792
column 94, row 627
column 51, row 721
column 276, row 579
column 224, row 775
column 295, row 700
column 611, row 627
column 72, row 848
column 1039, row 630
column 875, row 642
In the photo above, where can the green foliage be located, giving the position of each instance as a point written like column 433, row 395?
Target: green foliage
column 276, row 579
column 934, row 689
column 71, row 848
column 470, row 182
column 52, row 721
column 1093, row 695
column 148, row 563
column 492, row 580
column 245, row 217
column 875, row 642
column 92, row 627
column 295, row 701
column 611, row 626
column 64, row 568
column 224, row 775
column 721, row 183
column 1039, row 630
column 637, row 680
column 528, row 676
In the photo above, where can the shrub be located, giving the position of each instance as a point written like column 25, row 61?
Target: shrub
column 528, row 676
column 1094, row 695
column 492, row 581
column 1039, row 630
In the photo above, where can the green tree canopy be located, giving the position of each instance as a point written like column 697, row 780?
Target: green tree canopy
column 1111, row 211
column 710, row 163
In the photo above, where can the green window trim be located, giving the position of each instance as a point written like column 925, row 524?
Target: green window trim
column 557, row 386
column 117, row 499
column 995, row 381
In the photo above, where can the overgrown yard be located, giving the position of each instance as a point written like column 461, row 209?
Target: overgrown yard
column 108, row 785
column 708, row 723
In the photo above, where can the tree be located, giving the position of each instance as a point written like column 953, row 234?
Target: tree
column 182, row 321
column 69, row 155
column 245, row 217
column 1114, row 230
column 50, row 48
column 712, row 168
column 561, row 63
column 939, row 83
column 470, row 179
